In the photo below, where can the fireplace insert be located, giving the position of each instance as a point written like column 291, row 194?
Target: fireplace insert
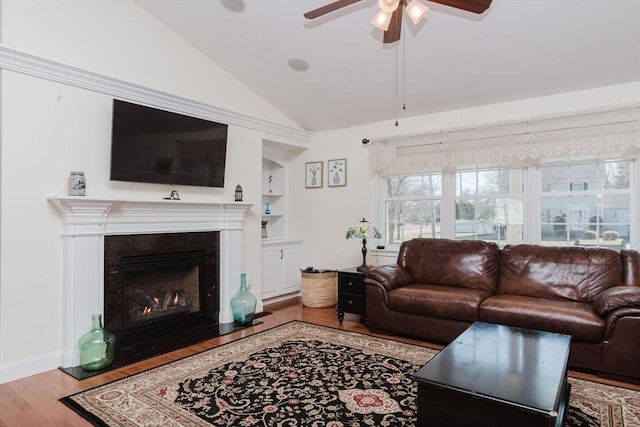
column 161, row 291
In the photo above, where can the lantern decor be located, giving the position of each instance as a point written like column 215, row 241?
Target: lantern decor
column 238, row 193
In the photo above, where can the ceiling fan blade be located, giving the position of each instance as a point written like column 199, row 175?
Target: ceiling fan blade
column 475, row 6
column 395, row 26
column 328, row 8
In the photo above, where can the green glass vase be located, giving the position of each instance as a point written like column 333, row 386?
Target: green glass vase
column 243, row 304
column 96, row 346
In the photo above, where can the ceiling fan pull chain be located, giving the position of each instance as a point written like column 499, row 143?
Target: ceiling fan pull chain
column 396, row 103
column 404, row 74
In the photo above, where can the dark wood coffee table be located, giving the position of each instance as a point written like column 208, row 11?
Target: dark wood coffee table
column 495, row 375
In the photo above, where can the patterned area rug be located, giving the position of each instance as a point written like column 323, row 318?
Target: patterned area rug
column 300, row 374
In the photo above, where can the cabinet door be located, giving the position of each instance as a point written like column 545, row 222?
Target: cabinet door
column 270, row 271
column 291, row 277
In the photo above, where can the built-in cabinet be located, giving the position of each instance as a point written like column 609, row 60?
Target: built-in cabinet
column 281, row 268
column 281, row 254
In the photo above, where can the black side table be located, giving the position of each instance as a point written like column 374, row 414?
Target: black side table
column 351, row 293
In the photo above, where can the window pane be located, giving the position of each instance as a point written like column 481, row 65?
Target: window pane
column 554, row 178
column 483, row 182
column 409, row 219
column 493, row 219
column 414, row 185
column 595, row 212
column 617, row 175
column 466, row 183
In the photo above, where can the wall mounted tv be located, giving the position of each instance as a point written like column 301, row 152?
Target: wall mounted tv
column 157, row 146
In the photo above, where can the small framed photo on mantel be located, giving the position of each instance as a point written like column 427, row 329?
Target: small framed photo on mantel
column 313, row 174
column 337, row 173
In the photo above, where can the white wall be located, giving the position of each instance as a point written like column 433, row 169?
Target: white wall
column 321, row 216
column 49, row 129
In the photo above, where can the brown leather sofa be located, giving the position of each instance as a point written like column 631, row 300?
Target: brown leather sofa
column 439, row 287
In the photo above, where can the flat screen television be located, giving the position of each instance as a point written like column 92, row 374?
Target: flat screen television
column 157, row 146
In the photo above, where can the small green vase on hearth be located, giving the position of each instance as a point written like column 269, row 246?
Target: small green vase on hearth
column 96, row 346
column 243, row 304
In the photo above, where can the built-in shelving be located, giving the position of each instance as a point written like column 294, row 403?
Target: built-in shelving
column 273, row 194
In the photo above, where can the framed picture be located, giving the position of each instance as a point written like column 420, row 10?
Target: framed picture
column 337, row 173
column 313, row 174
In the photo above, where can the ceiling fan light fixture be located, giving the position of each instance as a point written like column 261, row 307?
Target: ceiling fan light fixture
column 382, row 20
column 388, row 6
column 416, row 11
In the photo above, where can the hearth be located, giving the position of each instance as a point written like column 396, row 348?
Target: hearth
column 161, row 291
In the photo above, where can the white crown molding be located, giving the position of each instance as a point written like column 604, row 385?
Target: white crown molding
column 24, row 63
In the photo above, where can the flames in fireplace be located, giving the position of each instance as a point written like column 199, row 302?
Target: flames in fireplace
column 155, row 294
column 153, row 306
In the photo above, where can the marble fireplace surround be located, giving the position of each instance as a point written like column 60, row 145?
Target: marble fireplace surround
column 85, row 222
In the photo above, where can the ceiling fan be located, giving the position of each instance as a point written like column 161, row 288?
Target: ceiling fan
column 389, row 17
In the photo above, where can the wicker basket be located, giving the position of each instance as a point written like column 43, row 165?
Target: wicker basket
column 319, row 289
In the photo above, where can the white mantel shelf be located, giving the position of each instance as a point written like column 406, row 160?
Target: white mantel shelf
column 85, row 223
column 84, row 215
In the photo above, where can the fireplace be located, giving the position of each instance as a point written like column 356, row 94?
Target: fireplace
column 88, row 223
column 161, row 291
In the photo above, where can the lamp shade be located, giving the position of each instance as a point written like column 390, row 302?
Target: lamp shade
column 416, row 11
column 382, row 20
column 388, row 6
column 363, row 230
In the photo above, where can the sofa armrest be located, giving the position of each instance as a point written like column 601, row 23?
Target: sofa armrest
column 389, row 276
column 616, row 298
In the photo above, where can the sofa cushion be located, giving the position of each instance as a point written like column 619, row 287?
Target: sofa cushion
column 565, row 317
column 571, row 273
column 461, row 263
column 437, row 301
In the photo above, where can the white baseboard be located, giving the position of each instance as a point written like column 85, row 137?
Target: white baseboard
column 27, row 367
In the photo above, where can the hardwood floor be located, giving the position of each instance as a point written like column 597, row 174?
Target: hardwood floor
column 33, row 401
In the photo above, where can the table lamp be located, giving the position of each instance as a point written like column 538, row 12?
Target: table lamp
column 363, row 230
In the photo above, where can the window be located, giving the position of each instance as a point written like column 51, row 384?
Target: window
column 412, row 206
column 580, row 202
column 596, row 213
column 489, row 205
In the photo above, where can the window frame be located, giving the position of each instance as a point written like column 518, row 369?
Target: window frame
column 532, row 196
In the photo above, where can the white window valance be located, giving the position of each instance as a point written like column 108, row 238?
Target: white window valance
column 595, row 132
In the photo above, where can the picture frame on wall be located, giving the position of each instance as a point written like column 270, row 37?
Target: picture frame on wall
column 313, row 174
column 337, row 173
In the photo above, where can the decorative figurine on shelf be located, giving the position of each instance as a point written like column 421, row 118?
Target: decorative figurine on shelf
column 270, row 181
column 243, row 304
column 264, row 228
column 238, row 193
column 173, row 196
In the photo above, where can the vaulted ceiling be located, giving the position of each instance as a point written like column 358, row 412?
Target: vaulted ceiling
column 335, row 72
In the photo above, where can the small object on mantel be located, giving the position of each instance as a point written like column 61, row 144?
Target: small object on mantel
column 238, row 193
column 173, row 196
column 77, row 184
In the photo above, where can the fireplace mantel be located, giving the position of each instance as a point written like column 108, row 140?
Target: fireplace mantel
column 82, row 215
column 85, row 222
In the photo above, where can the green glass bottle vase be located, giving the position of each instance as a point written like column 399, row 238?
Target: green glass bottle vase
column 243, row 304
column 96, row 346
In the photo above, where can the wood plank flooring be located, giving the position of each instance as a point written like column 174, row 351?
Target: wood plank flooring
column 33, row 401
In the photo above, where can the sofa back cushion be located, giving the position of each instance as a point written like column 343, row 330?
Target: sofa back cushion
column 461, row 263
column 571, row 273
